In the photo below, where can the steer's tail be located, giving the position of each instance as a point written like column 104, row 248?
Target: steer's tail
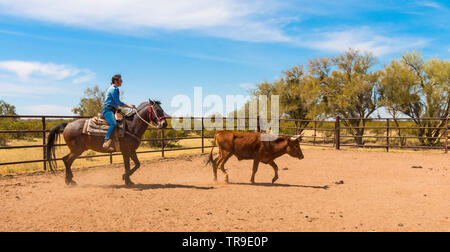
column 211, row 159
column 50, row 151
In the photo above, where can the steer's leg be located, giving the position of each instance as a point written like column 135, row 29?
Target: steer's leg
column 255, row 169
column 275, row 169
column 225, row 156
column 215, row 162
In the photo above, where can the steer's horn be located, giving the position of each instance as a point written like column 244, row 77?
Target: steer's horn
column 269, row 131
column 296, row 137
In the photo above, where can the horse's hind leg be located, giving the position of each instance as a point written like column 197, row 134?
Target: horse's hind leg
column 68, row 160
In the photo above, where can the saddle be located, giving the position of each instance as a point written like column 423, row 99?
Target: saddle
column 98, row 126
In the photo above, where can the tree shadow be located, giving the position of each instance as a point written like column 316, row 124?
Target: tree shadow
column 142, row 187
column 325, row 187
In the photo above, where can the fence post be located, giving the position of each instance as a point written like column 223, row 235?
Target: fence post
column 446, row 135
column 44, row 143
column 279, row 126
column 162, row 143
column 203, row 136
column 315, row 131
column 258, row 127
column 387, row 135
column 337, row 132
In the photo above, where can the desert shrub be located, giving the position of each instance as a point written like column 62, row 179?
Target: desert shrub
column 168, row 133
column 90, row 153
column 3, row 141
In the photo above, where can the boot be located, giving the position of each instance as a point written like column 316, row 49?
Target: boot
column 107, row 145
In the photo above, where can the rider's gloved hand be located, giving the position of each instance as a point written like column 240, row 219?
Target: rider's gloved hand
column 131, row 106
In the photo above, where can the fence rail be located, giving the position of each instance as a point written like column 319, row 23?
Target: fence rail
column 325, row 133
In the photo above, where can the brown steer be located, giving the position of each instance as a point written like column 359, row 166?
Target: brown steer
column 253, row 145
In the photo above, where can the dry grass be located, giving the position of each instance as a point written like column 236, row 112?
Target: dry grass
column 12, row 155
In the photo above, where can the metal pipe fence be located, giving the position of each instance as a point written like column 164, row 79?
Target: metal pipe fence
column 337, row 133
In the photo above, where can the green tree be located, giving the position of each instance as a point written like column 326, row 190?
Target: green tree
column 299, row 95
column 395, row 92
column 153, row 138
column 7, row 109
column 348, row 88
column 418, row 89
column 92, row 102
column 5, row 123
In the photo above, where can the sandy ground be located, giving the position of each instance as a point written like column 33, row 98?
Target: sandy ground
column 327, row 191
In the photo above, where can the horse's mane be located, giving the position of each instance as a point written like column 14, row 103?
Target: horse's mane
column 145, row 104
column 141, row 106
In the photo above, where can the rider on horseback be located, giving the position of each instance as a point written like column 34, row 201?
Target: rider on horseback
column 110, row 106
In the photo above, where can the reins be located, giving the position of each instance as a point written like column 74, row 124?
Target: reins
column 152, row 111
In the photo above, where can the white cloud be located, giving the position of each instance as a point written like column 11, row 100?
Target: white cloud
column 364, row 39
column 430, row 4
column 247, row 85
column 49, row 71
column 24, row 69
column 234, row 19
column 251, row 20
column 88, row 76
column 21, row 89
column 37, row 79
column 47, row 109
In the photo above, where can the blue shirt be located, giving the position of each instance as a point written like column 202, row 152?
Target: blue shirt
column 112, row 97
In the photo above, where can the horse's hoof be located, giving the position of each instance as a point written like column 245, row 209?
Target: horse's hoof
column 127, row 180
column 71, row 183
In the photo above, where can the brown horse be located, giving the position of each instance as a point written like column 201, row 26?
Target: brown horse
column 135, row 125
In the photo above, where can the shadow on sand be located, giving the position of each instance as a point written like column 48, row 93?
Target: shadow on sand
column 141, row 187
column 281, row 185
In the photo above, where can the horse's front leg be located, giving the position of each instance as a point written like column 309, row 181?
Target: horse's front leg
column 136, row 162
column 127, row 174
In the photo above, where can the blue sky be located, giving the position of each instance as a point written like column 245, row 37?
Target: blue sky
column 51, row 51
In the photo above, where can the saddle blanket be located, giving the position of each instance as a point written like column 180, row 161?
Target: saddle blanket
column 98, row 127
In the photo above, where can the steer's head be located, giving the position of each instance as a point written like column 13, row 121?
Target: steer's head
column 293, row 148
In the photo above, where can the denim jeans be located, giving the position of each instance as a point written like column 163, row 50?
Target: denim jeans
column 109, row 116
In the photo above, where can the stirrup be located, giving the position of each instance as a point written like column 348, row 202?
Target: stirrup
column 108, row 145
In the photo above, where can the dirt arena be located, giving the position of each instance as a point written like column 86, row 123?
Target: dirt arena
column 329, row 190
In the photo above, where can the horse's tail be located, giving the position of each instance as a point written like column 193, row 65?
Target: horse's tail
column 50, row 155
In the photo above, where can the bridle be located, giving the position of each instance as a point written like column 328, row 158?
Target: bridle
column 152, row 112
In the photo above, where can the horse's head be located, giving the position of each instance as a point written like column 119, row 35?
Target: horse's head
column 157, row 114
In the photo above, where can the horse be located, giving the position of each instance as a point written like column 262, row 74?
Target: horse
column 147, row 113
